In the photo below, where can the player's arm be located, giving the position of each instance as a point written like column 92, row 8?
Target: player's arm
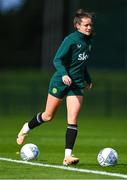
column 87, row 79
column 59, row 59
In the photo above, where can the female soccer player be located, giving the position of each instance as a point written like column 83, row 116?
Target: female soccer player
column 69, row 80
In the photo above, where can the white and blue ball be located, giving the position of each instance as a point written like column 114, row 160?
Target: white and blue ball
column 29, row 152
column 107, row 157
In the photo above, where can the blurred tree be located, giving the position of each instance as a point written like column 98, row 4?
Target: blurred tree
column 52, row 30
column 20, row 36
column 30, row 36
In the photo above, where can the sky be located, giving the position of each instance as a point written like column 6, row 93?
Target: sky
column 7, row 5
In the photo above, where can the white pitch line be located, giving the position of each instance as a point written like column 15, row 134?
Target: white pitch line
column 65, row 168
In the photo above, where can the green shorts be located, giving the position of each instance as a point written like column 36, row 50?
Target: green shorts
column 59, row 89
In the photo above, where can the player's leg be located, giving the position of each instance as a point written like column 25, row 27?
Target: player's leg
column 51, row 106
column 74, row 104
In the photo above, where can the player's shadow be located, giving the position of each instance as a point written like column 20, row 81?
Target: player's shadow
column 122, row 165
column 83, row 165
column 43, row 160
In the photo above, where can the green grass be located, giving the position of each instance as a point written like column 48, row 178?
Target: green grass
column 94, row 134
column 102, row 123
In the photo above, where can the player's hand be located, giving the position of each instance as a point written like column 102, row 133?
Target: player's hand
column 89, row 86
column 66, row 80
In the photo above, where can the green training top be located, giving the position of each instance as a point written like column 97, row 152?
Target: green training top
column 72, row 57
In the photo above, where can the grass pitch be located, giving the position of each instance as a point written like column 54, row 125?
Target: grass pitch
column 94, row 134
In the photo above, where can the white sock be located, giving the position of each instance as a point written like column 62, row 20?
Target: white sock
column 26, row 128
column 68, row 152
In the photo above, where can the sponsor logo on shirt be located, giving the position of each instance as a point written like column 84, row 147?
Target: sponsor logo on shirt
column 82, row 57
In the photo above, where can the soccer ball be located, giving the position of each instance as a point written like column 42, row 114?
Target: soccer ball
column 29, row 152
column 107, row 157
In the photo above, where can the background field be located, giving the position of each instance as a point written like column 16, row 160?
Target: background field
column 102, row 123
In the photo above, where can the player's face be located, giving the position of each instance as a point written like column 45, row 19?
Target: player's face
column 85, row 26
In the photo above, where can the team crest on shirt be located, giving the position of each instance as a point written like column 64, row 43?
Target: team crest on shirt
column 54, row 90
column 78, row 45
